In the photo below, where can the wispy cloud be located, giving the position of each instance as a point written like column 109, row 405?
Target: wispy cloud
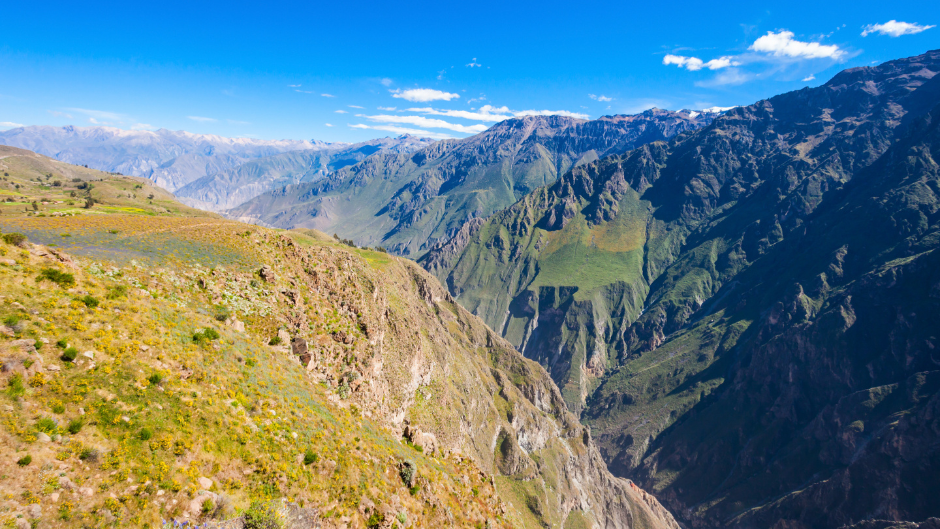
column 236, row 122
column 201, row 119
column 304, row 91
column 893, row 28
column 429, row 123
column 600, row 97
column 729, row 77
column 782, row 44
column 387, row 109
column 327, row 95
column 474, row 64
column 328, row 124
column 404, row 130
column 356, row 106
column 484, row 113
column 98, row 114
column 809, row 78
column 386, row 81
column 294, row 85
column 58, row 114
column 423, row 95
column 694, row 63
column 341, row 112
column 143, row 126
column 9, row 125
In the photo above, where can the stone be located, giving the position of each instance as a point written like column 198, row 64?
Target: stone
column 54, row 497
column 284, row 336
column 205, row 483
column 8, row 262
column 22, row 523
column 65, row 483
column 267, row 274
column 89, row 354
column 298, row 346
column 43, row 438
column 35, row 510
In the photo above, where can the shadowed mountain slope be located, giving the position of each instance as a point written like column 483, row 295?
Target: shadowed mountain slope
column 746, row 315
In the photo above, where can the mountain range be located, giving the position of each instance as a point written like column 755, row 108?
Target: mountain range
column 745, row 315
column 231, row 187
column 171, row 159
column 407, row 203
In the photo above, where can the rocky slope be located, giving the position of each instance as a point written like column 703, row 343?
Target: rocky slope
column 407, row 203
column 159, row 367
column 233, row 186
column 171, row 159
column 744, row 315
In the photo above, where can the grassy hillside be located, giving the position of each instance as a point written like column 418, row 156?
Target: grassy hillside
column 160, row 367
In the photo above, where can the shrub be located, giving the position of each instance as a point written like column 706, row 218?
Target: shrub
column 89, row 454
column 89, row 202
column 222, row 313
column 58, row 407
column 69, row 354
column 407, row 471
column 15, row 239
column 275, row 341
column 38, row 345
column 75, row 426
column 376, row 520
column 63, row 279
column 145, row 434
column 15, row 387
column 310, row 457
column 23, row 461
column 155, row 379
column 206, row 335
column 261, row 515
column 47, row 426
column 89, row 301
column 117, row 291
column 62, row 343
column 11, row 320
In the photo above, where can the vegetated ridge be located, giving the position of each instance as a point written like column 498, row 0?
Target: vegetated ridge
column 164, row 366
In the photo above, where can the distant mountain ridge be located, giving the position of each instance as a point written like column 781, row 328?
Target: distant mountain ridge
column 409, row 202
column 231, row 187
column 171, row 159
column 746, row 315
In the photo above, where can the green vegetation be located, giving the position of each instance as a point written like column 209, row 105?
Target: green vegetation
column 63, row 279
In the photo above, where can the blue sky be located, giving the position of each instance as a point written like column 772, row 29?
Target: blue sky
column 349, row 71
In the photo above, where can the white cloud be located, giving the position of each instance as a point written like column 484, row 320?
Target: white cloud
column 386, row 81
column 728, row 77
column 328, row 124
column 58, row 114
column 809, row 78
column 430, row 123
column 10, row 124
column 201, row 119
column 294, row 85
column 356, row 106
column 602, row 98
column 142, row 126
column 485, row 113
column 694, row 63
column 341, row 112
column 236, row 122
column 474, row 63
column 782, row 44
column 327, row 95
column 523, row 113
column 893, row 28
column 304, row 91
column 98, row 114
column 387, row 109
column 423, row 95
column 404, row 130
